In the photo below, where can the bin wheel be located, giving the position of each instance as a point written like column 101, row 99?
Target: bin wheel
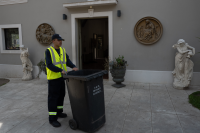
column 73, row 124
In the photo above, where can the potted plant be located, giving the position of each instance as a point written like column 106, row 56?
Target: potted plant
column 42, row 67
column 117, row 70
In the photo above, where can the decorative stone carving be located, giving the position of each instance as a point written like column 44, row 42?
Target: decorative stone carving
column 148, row 30
column 183, row 65
column 44, row 33
column 26, row 63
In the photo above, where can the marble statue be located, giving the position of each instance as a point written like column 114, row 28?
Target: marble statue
column 183, row 65
column 27, row 64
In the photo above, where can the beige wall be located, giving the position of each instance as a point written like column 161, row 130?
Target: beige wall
column 179, row 18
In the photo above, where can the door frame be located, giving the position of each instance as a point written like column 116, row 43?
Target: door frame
column 85, row 16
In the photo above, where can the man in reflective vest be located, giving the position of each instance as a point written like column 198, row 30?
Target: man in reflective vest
column 56, row 85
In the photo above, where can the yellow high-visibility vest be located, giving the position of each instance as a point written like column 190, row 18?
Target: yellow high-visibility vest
column 56, row 60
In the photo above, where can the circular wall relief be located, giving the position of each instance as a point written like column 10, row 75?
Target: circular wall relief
column 148, row 30
column 44, row 33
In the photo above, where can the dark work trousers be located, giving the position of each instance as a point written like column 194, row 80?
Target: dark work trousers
column 56, row 94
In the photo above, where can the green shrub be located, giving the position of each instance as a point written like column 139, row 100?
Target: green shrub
column 194, row 99
column 117, row 63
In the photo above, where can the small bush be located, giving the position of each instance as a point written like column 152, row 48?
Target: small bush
column 42, row 67
column 117, row 63
column 194, row 99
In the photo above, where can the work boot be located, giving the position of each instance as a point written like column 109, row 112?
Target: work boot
column 62, row 115
column 55, row 123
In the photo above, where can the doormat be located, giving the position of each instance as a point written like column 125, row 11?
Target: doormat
column 3, row 81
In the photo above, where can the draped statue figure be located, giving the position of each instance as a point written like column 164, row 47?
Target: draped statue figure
column 27, row 64
column 183, row 65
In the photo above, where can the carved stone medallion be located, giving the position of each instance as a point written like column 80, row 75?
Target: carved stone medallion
column 44, row 33
column 148, row 30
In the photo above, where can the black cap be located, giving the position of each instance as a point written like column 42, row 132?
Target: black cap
column 57, row 36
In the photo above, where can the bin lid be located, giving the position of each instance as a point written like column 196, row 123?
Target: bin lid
column 84, row 75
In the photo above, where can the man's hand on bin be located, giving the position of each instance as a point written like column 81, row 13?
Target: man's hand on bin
column 75, row 69
column 63, row 72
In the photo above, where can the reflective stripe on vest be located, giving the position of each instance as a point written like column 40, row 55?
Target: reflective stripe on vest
column 59, row 107
column 56, row 60
column 52, row 113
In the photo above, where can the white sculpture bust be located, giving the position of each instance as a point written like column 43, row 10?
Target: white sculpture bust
column 183, row 65
column 26, row 63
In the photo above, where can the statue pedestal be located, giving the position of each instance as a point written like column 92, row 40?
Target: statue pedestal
column 27, row 77
column 180, row 87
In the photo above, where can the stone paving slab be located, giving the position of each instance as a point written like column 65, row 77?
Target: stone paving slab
column 178, row 94
column 136, row 108
column 165, row 123
column 8, row 123
column 140, row 100
column 137, row 122
column 141, row 86
column 162, row 105
column 31, row 123
column 190, row 124
column 183, row 107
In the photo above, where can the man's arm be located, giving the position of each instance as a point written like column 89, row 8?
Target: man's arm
column 49, row 63
column 69, row 63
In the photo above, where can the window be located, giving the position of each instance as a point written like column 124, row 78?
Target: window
column 10, row 38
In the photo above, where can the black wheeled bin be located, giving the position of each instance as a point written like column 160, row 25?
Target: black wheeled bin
column 86, row 94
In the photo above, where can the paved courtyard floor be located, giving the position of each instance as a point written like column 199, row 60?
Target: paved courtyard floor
column 137, row 108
